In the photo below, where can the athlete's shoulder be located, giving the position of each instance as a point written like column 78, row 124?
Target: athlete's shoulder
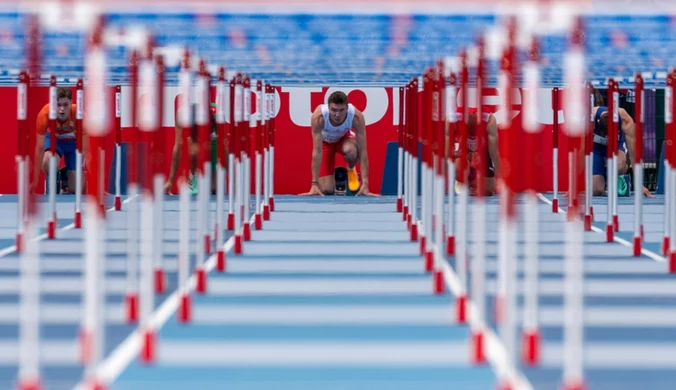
column 317, row 119
column 44, row 110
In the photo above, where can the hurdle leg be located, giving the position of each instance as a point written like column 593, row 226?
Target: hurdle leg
column 220, row 218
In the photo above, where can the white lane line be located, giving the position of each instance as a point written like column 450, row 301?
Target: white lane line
column 128, row 350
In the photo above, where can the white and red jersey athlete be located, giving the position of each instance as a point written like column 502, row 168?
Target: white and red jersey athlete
column 491, row 168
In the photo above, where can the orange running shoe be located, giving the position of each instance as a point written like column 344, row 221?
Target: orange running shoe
column 353, row 179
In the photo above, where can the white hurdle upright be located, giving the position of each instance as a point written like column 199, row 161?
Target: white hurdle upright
column 79, row 114
column 203, row 122
column 222, row 101
column 118, row 148
column 54, row 159
column 98, row 103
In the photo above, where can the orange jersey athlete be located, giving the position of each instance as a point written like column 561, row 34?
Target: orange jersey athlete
column 65, row 137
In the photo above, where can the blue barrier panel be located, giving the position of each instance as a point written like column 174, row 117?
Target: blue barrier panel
column 389, row 184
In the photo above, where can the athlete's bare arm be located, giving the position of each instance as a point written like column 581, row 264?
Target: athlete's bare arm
column 175, row 154
column 359, row 126
column 629, row 129
column 492, row 131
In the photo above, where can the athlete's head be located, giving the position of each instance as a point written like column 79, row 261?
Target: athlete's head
column 472, row 118
column 64, row 99
column 337, row 107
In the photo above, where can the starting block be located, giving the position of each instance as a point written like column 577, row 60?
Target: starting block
column 340, row 187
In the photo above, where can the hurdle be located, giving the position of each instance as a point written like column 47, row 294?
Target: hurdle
column 246, row 158
column 669, row 240
column 573, row 372
column 479, row 213
column 461, row 255
column 97, row 123
column 118, row 147
column 529, row 123
column 185, row 119
column 148, row 124
column 133, row 190
column 221, row 115
column 22, row 158
column 79, row 114
column 53, row 160
column 639, row 114
column 238, row 112
column 29, row 375
column 202, row 120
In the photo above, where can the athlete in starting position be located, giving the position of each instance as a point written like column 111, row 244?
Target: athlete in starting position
column 65, row 139
column 338, row 127
column 626, row 145
column 193, row 149
column 491, row 168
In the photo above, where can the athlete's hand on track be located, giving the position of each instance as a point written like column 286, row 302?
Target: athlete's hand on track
column 167, row 188
column 314, row 190
column 647, row 193
column 364, row 190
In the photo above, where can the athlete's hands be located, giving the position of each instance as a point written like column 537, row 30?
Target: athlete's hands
column 167, row 187
column 647, row 193
column 364, row 190
column 314, row 190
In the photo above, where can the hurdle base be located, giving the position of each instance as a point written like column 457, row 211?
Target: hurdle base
column 400, row 205
column 78, row 220
column 201, row 280
column 231, row 221
column 131, row 305
column 258, row 221
column 423, row 244
column 271, row 201
column 95, row 384
column 238, row 245
column 118, row 203
column 409, row 222
column 587, row 222
column 573, row 385
column 531, row 348
column 405, row 214
column 505, row 385
column 30, row 384
column 207, row 244
column 665, row 245
column 184, row 309
column 637, row 246
column 266, row 212
column 616, row 223
column 414, row 232
column 19, row 240
column 438, row 279
column 555, row 205
column 498, row 310
column 461, row 309
column 220, row 260
column 51, row 229
column 450, row 245
column 160, row 284
column 672, row 262
column 247, row 232
column 429, row 261
column 148, row 345
column 610, row 232
column 478, row 356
